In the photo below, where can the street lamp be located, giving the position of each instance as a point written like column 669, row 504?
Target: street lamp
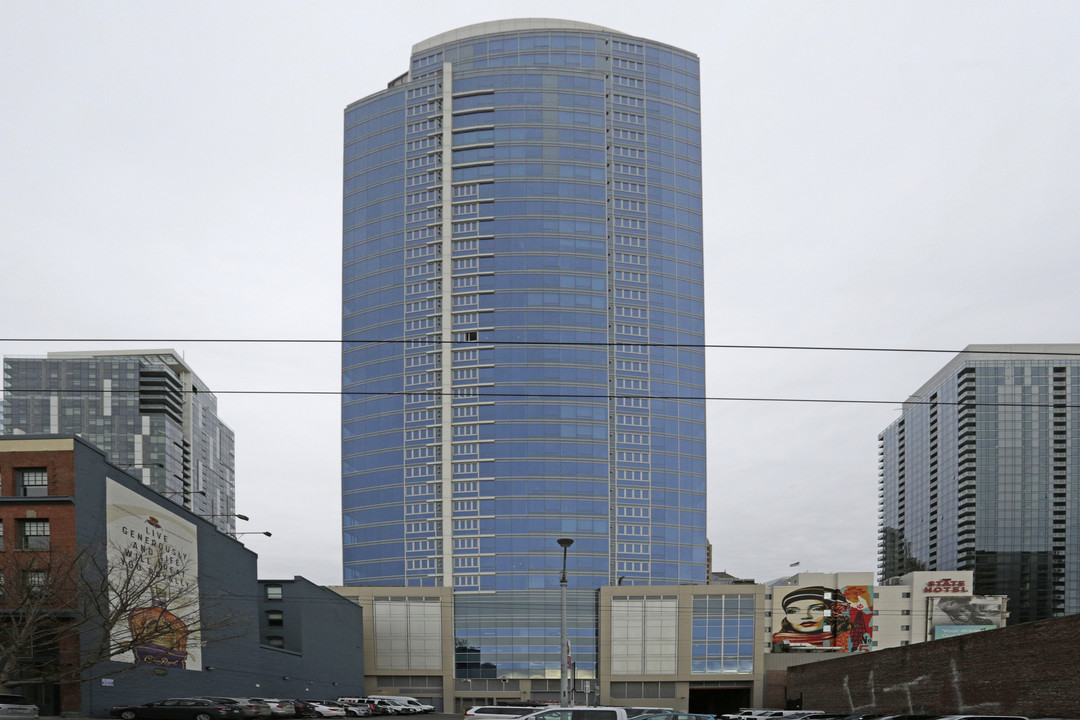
column 267, row 533
column 565, row 544
column 235, row 515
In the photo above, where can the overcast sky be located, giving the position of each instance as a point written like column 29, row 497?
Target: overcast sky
column 877, row 174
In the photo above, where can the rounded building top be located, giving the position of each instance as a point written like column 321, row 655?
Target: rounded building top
column 500, row 26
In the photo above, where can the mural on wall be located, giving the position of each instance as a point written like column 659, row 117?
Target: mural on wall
column 155, row 552
column 821, row 617
column 952, row 616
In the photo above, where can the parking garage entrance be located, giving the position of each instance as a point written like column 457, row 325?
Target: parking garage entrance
column 716, row 699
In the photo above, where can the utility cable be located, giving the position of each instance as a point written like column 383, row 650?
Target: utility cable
column 555, row 343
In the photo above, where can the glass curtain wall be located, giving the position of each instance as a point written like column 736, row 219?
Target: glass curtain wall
column 523, row 315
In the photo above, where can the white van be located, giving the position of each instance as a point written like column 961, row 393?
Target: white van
column 500, row 712
column 410, row 702
column 579, row 712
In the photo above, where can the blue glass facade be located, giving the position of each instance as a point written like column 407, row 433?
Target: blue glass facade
column 523, row 315
column 723, row 634
column 980, row 473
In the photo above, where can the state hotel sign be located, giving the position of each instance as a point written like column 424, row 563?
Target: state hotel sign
column 957, row 587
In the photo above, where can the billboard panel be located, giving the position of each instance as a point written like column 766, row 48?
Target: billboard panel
column 948, row 631
column 952, row 616
column 154, row 572
column 821, row 618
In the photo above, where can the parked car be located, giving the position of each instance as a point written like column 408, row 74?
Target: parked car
column 636, row 712
column 357, row 709
column 768, row 714
column 278, row 708
column 249, row 707
column 324, row 710
column 384, row 707
column 363, row 702
column 14, row 707
column 350, row 709
column 402, row 708
column 304, row 709
column 178, row 709
column 406, row 701
column 580, row 712
column 676, row 716
column 499, row 712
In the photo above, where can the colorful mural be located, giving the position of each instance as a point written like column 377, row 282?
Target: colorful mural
column 819, row 617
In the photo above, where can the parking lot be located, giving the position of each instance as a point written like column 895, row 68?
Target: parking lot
column 426, row 716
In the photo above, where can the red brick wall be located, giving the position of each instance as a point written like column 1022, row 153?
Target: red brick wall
column 1031, row 669
column 61, row 516
column 59, row 463
column 775, row 684
column 60, row 466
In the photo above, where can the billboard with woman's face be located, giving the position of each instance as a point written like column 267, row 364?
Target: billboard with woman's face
column 838, row 619
column 952, row 616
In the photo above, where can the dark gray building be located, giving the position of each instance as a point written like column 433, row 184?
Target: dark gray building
column 145, row 408
column 229, row 634
column 982, row 472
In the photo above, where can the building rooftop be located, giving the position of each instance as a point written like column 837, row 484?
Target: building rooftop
column 1033, row 351
column 500, row 26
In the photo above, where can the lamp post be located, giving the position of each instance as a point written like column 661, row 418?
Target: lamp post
column 565, row 544
column 267, row 533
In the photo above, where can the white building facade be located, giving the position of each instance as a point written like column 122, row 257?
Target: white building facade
column 846, row 612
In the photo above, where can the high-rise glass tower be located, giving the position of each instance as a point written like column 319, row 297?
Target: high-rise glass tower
column 145, row 409
column 523, row 318
column 980, row 473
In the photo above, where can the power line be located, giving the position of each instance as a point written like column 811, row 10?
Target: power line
column 568, row 397
column 555, row 343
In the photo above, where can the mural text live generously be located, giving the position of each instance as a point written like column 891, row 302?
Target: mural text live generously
column 154, row 554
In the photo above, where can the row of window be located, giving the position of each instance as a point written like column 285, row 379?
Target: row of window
column 31, row 482
column 33, row 534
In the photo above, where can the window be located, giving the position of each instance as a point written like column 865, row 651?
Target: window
column 273, row 592
column 32, row 482
column 34, row 534
column 35, row 581
column 1, row 534
column 275, row 641
column 275, row 618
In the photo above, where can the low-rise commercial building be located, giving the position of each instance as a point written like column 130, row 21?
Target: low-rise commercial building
column 115, row 595
column 674, row 646
column 847, row 612
column 703, row 648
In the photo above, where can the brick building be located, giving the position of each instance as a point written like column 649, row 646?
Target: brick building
column 68, row 511
column 1028, row 669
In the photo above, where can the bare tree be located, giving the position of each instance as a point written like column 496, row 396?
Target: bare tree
column 64, row 612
